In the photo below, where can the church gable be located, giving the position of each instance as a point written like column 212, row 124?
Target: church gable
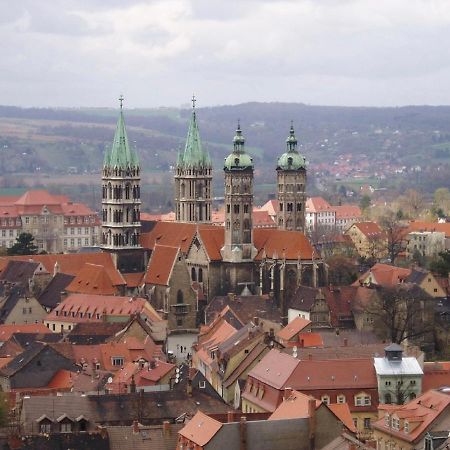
column 197, row 254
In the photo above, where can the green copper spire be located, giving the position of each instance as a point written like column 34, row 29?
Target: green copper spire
column 291, row 159
column 120, row 154
column 193, row 155
column 238, row 159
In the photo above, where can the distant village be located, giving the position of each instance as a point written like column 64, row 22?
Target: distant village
column 296, row 324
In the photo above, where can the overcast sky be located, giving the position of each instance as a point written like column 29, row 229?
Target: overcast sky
column 157, row 52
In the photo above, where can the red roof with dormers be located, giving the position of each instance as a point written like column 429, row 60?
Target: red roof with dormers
column 78, row 308
column 161, row 265
column 370, row 230
column 421, row 412
column 93, row 279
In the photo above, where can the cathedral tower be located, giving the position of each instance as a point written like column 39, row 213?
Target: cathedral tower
column 121, row 196
column 193, row 176
column 291, row 178
column 238, row 170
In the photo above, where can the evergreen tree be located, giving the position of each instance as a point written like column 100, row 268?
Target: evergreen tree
column 24, row 245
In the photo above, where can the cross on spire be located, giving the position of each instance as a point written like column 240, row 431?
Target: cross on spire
column 121, row 98
column 193, row 100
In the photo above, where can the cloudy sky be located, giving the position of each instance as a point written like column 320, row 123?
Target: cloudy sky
column 157, row 52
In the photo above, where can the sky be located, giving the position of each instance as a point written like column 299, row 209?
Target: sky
column 78, row 53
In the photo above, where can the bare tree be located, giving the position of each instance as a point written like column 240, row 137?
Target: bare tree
column 404, row 312
column 395, row 236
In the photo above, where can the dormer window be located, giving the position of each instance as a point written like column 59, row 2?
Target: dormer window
column 325, row 399
column 387, row 420
column 341, row 399
column 406, row 427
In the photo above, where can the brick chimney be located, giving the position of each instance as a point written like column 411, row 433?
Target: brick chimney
column 230, row 416
column 287, row 393
column 243, row 433
column 312, row 422
column 166, row 428
column 345, row 342
column 189, row 387
column 135, row 427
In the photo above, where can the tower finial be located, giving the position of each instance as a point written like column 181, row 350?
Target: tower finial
column 239, row 125
column 193, row 100
column 121, row 98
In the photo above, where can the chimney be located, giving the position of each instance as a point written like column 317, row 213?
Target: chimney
column 132, row 385
column 345, row 342
column 189, row 387
column 231, row 296
column 310, row 356
column 272, row 333
column 302, row 343
column 312, row 422
column 287, row 393
column 243, row 433
column 135, row 427
column 230, row 416
column 166, row 428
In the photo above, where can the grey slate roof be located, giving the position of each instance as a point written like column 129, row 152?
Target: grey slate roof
column 51, row 295
column 19, row 271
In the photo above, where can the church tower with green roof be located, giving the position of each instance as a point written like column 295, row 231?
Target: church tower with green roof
column 193, row 178
column 291, row 182
column 238, row 170
column 121, row 195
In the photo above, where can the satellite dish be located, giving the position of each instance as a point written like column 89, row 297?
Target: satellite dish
column 177, row 370
column 110, row 380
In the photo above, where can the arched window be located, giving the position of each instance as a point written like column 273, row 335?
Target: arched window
column 388, row 399
column 200, row 275
column 193, row 275
column 412, row 396
column 180, row 297
column 127, row 191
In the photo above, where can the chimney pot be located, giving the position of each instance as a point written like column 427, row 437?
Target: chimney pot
column 230, row 416
column 287, row 393
column 166, row 428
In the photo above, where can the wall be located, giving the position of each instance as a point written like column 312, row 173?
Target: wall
column 21, row 314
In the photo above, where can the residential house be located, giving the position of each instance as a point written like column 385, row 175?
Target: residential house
column 351, row 381
column 399, row 377
column 386, row 275
column 320, row 215
column 34, row 368
column 369, row 240
column 81, row 308
column 425, row 243
column 346, row 216
column 408, row 426
column 291, row 334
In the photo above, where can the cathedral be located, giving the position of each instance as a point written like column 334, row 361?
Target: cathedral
column 214, row 260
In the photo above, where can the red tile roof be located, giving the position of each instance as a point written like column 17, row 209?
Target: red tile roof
column 93, row 279
column 262, row 219
column 77, row 308
column 370, row 230
column 295, row 406
column 72, row 263
column 435, row 375
column 161, row 265
column 429, row 226
column 384, row 275
column 347, row 212
column 134, row 279
column 293, row 328
column 200, row 429
column 310, row 340
column 424, row 410
column 173, row 234
column 6, row 331
column 342, row 412
column 317, row 204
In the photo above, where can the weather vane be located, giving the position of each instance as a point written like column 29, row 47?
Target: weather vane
column 121, row 101
column 193, row 100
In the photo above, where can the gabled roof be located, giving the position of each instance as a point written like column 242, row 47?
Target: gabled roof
column 72, row 263
column 200, row 429
column 38, row 197
column 317, row 204
column 161, row 265
column 347, row 212
column 172, row 234
column 275, row 369
column 385, row 275
column 295, row 406
column 93, row 279
column 342, row 412
column 6, row 331
column 370, row 230
column 293, row 328
column 19, row 271
column 51, row 295
column 424, row 410
column 271, row 206
column 429, row 226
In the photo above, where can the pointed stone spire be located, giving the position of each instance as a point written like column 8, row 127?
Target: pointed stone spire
column 121, row 155
column 194, row 155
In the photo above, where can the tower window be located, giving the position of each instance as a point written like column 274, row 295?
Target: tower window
column 281, row 207
column 193, row 274
column 299, row 206
column 289, row 207
column 180, row 299
column 245, row 209
column 228, row 208
column 236, row 209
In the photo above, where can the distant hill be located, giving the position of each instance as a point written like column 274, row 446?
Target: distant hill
column 60, row 140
